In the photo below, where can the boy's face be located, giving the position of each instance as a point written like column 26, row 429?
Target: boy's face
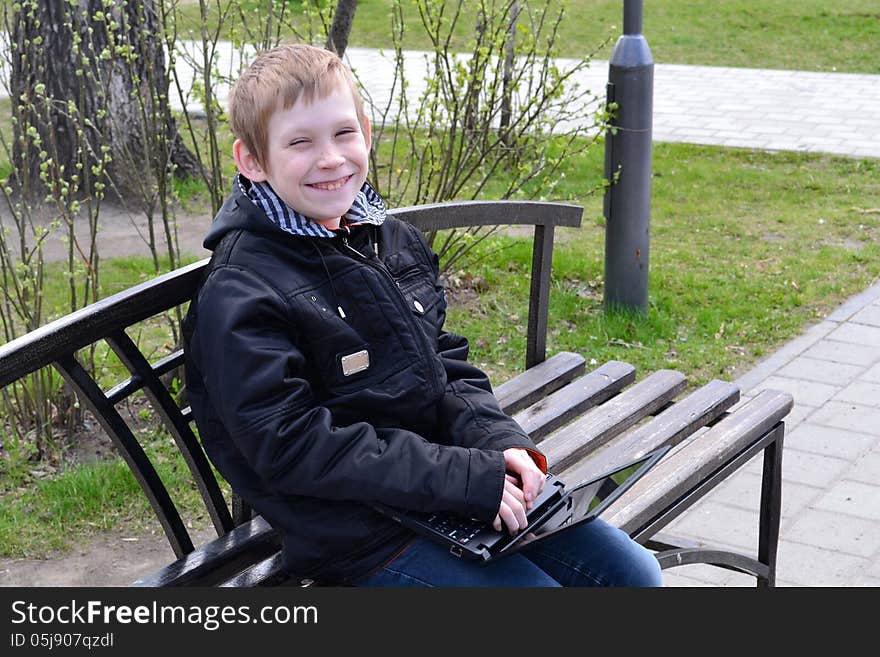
column 317, row 157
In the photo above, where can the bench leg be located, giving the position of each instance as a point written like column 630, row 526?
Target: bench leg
column 771, row 507
column 672, row 552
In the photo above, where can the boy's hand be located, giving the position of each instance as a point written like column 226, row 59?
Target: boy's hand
column 512, row 510
column 531, row 479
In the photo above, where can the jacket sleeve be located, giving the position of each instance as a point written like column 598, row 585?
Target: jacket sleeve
column 255, row 379
column 469, row 410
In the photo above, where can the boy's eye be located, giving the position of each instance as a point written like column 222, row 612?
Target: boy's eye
column 346, row 131
column 298, row 142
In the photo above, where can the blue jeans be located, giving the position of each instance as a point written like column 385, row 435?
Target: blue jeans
column 591, row 554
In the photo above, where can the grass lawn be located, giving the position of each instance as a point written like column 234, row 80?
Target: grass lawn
column 747, row 248
column 813, row 35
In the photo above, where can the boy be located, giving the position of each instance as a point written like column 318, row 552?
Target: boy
column 319, row 372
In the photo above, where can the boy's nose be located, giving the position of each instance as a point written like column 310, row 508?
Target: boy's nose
column 330, row 158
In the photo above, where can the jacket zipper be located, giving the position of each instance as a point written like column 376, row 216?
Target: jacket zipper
column 408, row 317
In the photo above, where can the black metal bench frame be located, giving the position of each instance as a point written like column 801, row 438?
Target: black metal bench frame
column 582, row 419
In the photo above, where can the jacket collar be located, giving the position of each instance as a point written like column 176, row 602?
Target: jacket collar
column 368, row 208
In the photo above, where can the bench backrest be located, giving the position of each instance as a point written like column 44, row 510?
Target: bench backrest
column 112, row 319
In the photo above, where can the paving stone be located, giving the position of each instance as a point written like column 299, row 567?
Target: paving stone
column 837, row 532
column 807, row 565
column 828, row 441
column 873, row 374
column 822, row 371
column 743, row 490
column 809, row 393
column 866, row 469
column 718, row 525
column 866, row 393
column 844, row 352
column 855, row 498
column 857, row 334
column 869, row 315
column 846, row 415
column 812, row 469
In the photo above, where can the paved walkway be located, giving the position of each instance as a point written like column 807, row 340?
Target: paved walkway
column 775, row 110
column 755, row 108
column 830, row 528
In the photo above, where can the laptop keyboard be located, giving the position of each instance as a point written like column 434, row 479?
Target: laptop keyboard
column 459, row 529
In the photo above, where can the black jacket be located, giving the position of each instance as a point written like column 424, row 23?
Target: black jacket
column 321, row 378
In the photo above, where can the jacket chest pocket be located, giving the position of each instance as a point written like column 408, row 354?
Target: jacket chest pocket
column 415, row 280
column 358, row 346
column 426, row 304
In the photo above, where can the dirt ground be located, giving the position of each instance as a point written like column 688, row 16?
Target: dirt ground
column 110, row 560
column 123, row 232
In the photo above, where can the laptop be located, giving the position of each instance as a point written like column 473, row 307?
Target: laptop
column 556, row 509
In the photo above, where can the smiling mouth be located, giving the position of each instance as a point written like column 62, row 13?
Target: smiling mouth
column 331, row 185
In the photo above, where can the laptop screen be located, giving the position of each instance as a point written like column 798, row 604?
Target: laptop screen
column 587, row 500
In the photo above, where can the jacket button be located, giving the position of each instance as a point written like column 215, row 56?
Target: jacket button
column 419, row 308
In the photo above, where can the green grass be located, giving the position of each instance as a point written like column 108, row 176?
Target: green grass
column 747, row 248
column 810, row 35
column 89, row 498
column 813, row 35
column 42, row 508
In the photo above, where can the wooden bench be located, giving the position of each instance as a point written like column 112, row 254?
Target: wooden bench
column 582, row 420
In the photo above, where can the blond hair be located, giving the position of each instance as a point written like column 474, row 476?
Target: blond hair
column 277, row 79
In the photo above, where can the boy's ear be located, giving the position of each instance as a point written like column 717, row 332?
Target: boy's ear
column 246, row 162
column 368, row 132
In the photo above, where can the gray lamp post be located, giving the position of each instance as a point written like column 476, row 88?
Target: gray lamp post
column 628, row 153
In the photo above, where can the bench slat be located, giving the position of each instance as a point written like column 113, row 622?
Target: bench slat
column 268, row 572
column 568, row 445
column 558, row 408
column 670, row 427
column 542, row 379
column 218, row 559
column 683, row 469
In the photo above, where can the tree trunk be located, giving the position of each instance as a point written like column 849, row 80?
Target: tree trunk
column 92, row 90
column 343, row 17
